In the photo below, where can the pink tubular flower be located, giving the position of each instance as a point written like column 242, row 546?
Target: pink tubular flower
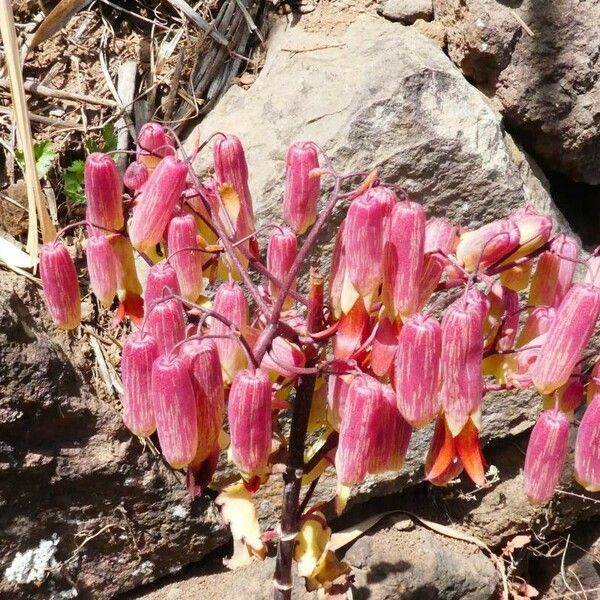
column 231, row 167
column 230, row 303
column 358, row 430
column 554, row 272
column 534, row 230
column 338, row 272
column 392, row 436
column 139, row 353
column 202, row 362
column 487, row 245
column 587, row 448
column 417, row 369
column 161, row 283
column 502, row 322
column 103, row 193
column 165, row 322
column 337, row 393
column 153, row 144
column 156, row 203
column 174, row 405
column 301, row 190
column 404, row 256
column 363, row 239
column 136, row 176
column 461, row 358
column 593, row 388
column 567, row 336
column 249, row 412
column 281, row 253
column 60, row 285
column 185, row 255
column 546, row 453
column 102, row 268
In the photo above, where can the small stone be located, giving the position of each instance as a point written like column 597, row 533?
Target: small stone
column 406, row 11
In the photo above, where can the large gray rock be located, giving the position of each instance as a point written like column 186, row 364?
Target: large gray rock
column 83, row 506
column 379, row 96
column 545, row 80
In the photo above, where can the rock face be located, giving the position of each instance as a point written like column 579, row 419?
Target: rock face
column 380, row 96
column 545, row 80
column 82, row 505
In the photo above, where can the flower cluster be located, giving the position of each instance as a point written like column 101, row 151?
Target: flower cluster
column 415, row 322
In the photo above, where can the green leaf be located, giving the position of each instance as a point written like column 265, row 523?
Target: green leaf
column 74, row 182
column 109, row 136
column 44, row 155
column 109, row 140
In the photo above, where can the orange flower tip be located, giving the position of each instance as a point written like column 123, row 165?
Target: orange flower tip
column 469, row 452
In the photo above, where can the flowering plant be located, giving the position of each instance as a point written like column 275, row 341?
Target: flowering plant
column 414, row 322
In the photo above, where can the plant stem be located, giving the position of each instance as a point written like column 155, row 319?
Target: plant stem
column 292, row 478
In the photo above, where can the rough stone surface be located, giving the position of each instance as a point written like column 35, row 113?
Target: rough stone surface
column 406, row 11
column 400, row 560
column 547, row 84
column 396, row 559
column 79, row 496
column 380, row 96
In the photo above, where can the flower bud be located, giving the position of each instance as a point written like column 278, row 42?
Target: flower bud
column 230, row 303
column 358, row 430
column 185, row 255
column 201, row 359
column 250, row 424
column 546, row 453
column 281, row 253
column 392, row 436
column 500, row 328
column 139, row 353
column 103, row 193
column 231, row 167
column 153, row 144
column 587, row 449
column 440, row 236
column 364, row 234
column 461, row 359
column 417, row 369
column 592, row 274
column 160, row 283
column 301, row 190
column 554, row 272
column 156, row 203
column 593, row 387
column 538, row 322
column 487, row 245
column 568, row 335
column 102, row 268
column 404, row 256
column 282, row 358
column 60, row 285
column 534, row 230
column 165, row 322
column 135, row 176
column 174, row 405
